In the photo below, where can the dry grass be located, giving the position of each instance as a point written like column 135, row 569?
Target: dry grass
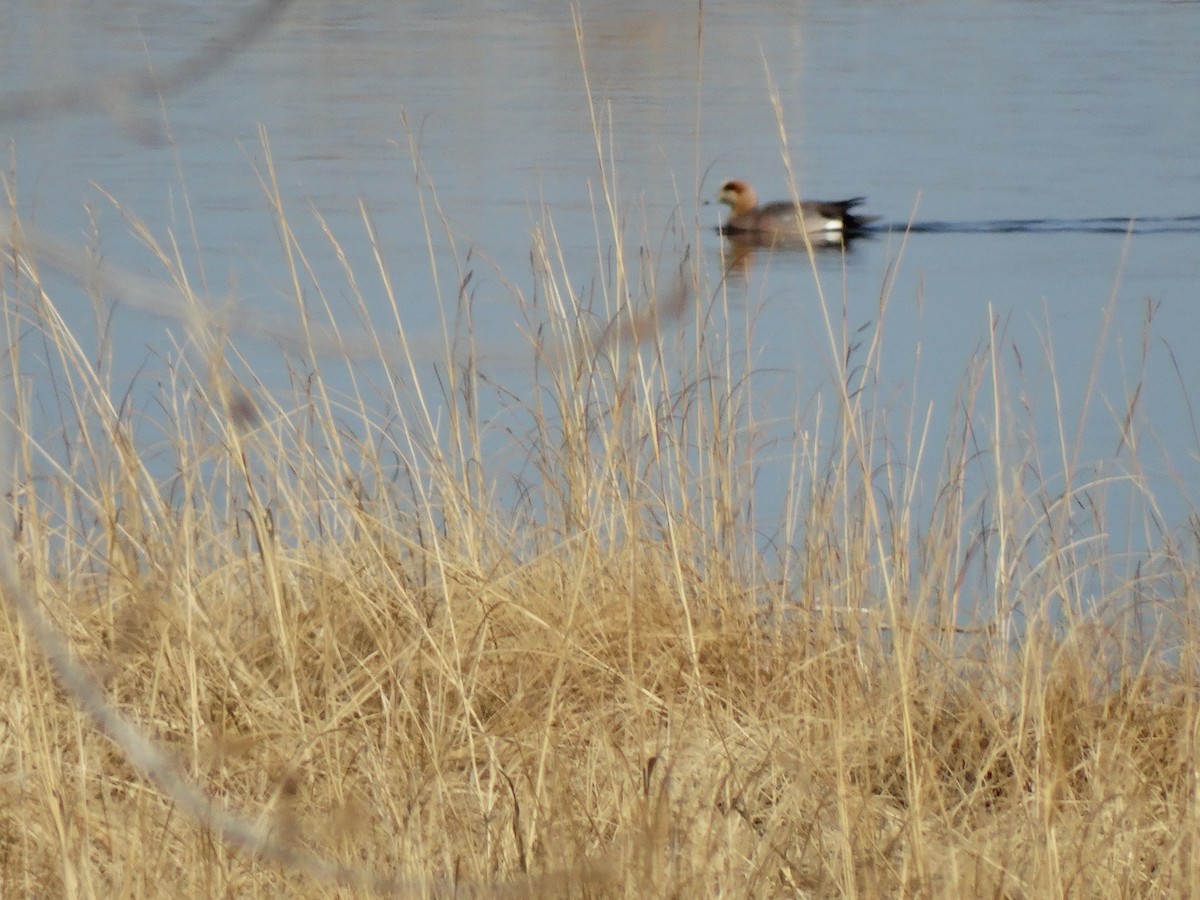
column 337, row 621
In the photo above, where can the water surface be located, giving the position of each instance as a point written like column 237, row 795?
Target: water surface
column 940, row 112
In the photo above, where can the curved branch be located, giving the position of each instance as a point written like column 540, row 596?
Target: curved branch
column 109, row 93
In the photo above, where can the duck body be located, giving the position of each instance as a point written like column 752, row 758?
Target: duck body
column 821, row 220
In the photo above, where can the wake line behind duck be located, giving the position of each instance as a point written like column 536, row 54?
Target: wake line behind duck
column 834, row 222
column 1105, row 225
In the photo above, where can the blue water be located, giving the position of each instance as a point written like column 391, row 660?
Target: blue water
column 963, row 117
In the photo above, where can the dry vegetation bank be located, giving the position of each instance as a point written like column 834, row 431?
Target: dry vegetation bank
column 606, row 687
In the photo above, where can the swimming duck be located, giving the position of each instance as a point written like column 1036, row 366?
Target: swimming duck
column 823, row 220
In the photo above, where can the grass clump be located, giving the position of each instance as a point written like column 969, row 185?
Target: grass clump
column 385, row 667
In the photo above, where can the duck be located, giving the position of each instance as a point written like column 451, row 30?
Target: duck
column 821, row 220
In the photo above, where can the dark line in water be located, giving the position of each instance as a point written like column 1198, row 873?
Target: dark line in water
column 1113, row 225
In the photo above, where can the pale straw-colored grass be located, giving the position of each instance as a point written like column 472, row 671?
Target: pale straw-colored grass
column 336, row 652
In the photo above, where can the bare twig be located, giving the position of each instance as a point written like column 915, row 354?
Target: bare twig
column 118, row 91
